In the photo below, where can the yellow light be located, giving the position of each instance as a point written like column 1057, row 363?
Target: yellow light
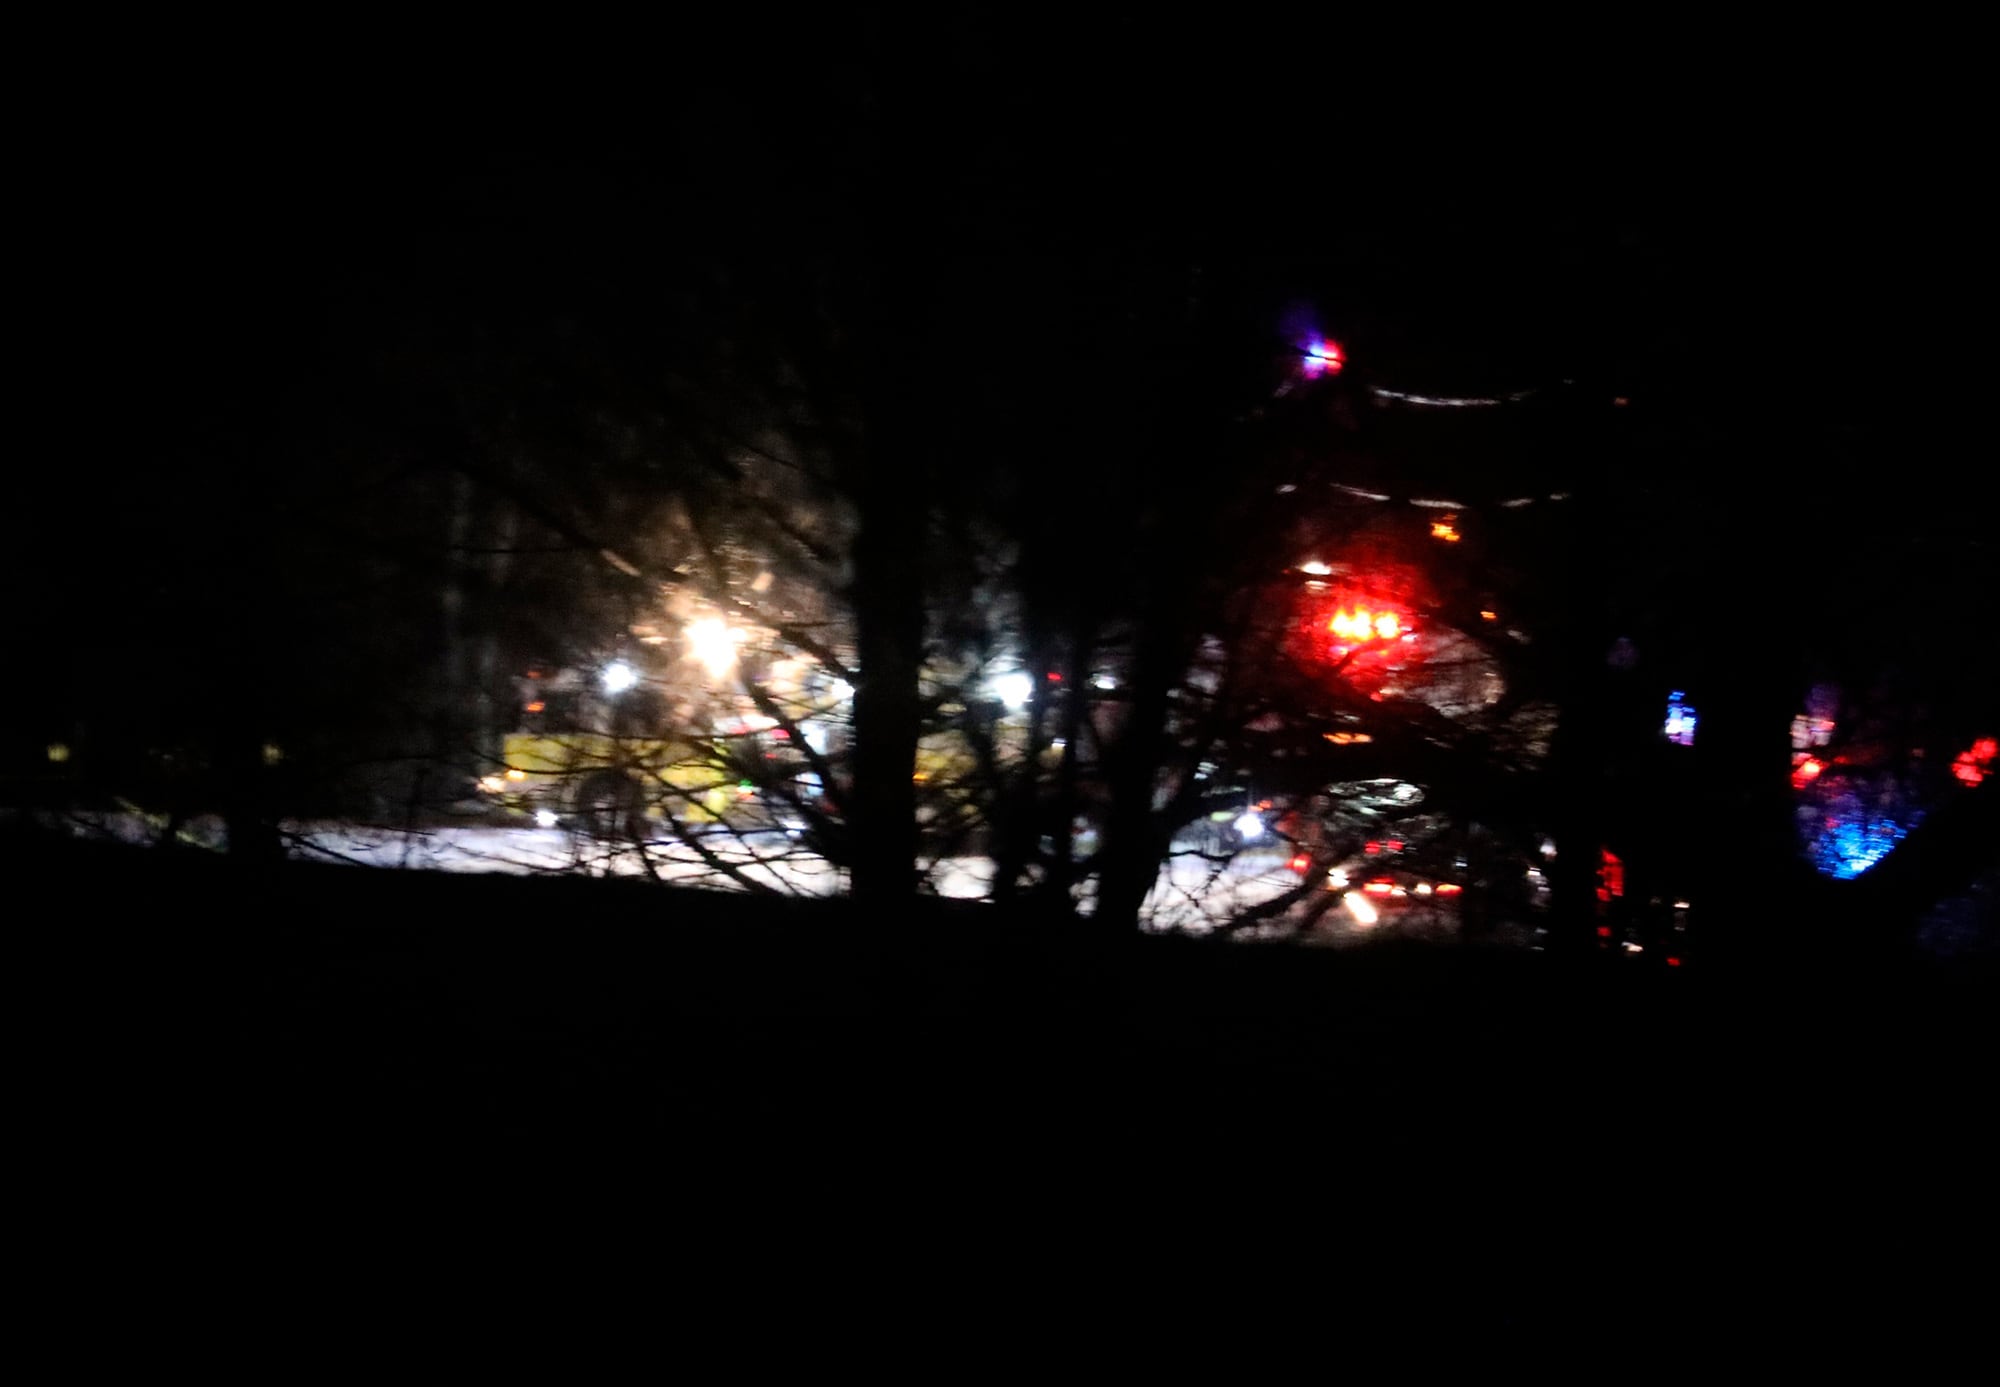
column 58, row 752
column 1442, row 530
column 1387, row 627
column 517, row 775
column 1489, row 616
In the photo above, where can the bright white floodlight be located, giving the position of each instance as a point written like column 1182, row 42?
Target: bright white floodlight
column 1014, row 689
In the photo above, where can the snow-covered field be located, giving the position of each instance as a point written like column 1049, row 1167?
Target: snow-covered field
column 1193, row 893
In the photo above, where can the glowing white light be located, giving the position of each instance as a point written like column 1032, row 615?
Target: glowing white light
column 1359, row 907
column 545, row 818
column 842, row 690
column 492, row 784
column 1336, row 879
column 1423, row 888
column 1249, row 827
column 619, row 676
column 1014, row 689
column 1103, row 681
column 1315, row 567
column 714, row 644
column 1445, row 401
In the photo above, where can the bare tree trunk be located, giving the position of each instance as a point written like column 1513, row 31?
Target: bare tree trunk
column 888, row 603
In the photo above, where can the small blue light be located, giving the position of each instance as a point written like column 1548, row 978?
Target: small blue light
column 1680, row 720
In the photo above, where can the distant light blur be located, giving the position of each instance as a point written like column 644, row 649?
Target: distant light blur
column 618, row 677
column 1323, row 357
column 1680, row 720
column 714, row 645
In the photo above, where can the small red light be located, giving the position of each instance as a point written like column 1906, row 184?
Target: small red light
column 1604, row 931
column 1301, row 863
column 1673, row 963
column 1054, row 677
column 1374, row 847
column 1395, row 845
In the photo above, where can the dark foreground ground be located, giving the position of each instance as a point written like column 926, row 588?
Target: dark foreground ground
column 206, row 1047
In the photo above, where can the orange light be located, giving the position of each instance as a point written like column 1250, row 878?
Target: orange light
column 1489, row 616
column 1361, row 624
column 1379, row 888
column 1450, row 888
column 1301, row 863
column 1441, row 530
column 537, row 706
column 517, row 775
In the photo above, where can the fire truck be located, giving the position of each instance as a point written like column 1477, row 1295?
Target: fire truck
column 609, row 758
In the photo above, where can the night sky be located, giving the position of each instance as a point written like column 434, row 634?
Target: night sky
column 1768, row 235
